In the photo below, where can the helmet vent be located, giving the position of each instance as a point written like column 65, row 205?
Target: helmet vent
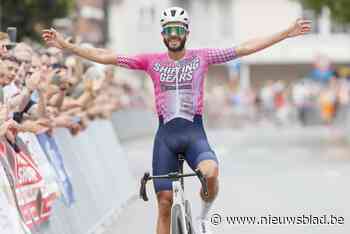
column 182, row 12
column 173, row 12
column 165, row 14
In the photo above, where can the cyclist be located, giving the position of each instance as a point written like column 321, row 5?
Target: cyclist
column 178, row 78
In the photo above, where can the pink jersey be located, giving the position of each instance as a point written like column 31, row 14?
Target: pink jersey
column 178, row 85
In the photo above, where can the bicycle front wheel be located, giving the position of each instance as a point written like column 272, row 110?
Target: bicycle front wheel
column 177, row 224
column 189, row 218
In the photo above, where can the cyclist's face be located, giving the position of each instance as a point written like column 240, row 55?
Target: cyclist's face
column 174, row 37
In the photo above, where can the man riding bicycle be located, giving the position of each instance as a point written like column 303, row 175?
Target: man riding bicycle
column 178, row 79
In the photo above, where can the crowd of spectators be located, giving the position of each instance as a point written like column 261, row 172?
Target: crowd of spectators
column 320, row 97
column 58, row 91
column 42, row 89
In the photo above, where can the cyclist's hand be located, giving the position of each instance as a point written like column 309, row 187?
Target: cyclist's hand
column 54, row 38
column 299, row 27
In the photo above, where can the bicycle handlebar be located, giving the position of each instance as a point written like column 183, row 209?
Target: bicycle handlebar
column 174, row 176
column 143, row 193
column 203, row 181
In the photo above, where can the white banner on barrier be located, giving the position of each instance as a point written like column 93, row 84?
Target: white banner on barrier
column 9, row 218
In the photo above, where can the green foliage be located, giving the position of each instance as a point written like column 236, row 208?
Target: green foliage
column 30, row 15
column 340, row 9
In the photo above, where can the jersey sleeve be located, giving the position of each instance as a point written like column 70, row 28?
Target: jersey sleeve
column 135, row 62
column 217, row 56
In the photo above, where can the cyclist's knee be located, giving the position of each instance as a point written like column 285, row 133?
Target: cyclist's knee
column 210, row 169
column 165, row 201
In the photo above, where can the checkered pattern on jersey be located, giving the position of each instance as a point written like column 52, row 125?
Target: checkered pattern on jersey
column 216, row 56
column 127, row 62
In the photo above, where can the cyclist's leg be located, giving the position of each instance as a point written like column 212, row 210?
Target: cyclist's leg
column 164, row 199
column 199, row 155
column 164, row 161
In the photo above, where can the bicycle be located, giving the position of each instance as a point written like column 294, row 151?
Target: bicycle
column 181, row 218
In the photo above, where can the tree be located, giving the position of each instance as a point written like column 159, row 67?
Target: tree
column 340, row 9
column 30, row 16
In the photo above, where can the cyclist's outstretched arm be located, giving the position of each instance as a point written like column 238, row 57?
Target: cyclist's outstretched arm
column 55, row 39
column 299, row 27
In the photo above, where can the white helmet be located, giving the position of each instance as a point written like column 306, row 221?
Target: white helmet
column 174, row 14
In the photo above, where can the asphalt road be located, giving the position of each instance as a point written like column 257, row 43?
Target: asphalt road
column 264, row 171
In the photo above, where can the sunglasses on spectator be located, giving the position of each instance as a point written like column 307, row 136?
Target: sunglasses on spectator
column 178, row 30
column 7, row 46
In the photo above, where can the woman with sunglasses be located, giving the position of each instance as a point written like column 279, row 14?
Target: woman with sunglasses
column 178, row 78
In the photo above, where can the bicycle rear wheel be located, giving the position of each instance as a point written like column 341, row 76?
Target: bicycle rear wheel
column 177, row 225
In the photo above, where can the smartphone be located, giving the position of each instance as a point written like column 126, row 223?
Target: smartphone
column 12, row 33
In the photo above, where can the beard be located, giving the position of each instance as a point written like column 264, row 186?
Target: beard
column 177, row 49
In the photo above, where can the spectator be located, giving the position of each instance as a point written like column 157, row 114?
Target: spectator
column 4, row 40
column 322, row 71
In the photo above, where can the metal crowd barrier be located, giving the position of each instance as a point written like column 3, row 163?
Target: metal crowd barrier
column 100, row 176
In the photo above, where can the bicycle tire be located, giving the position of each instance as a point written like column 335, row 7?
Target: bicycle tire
column 189, row 222
column 177, row 225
